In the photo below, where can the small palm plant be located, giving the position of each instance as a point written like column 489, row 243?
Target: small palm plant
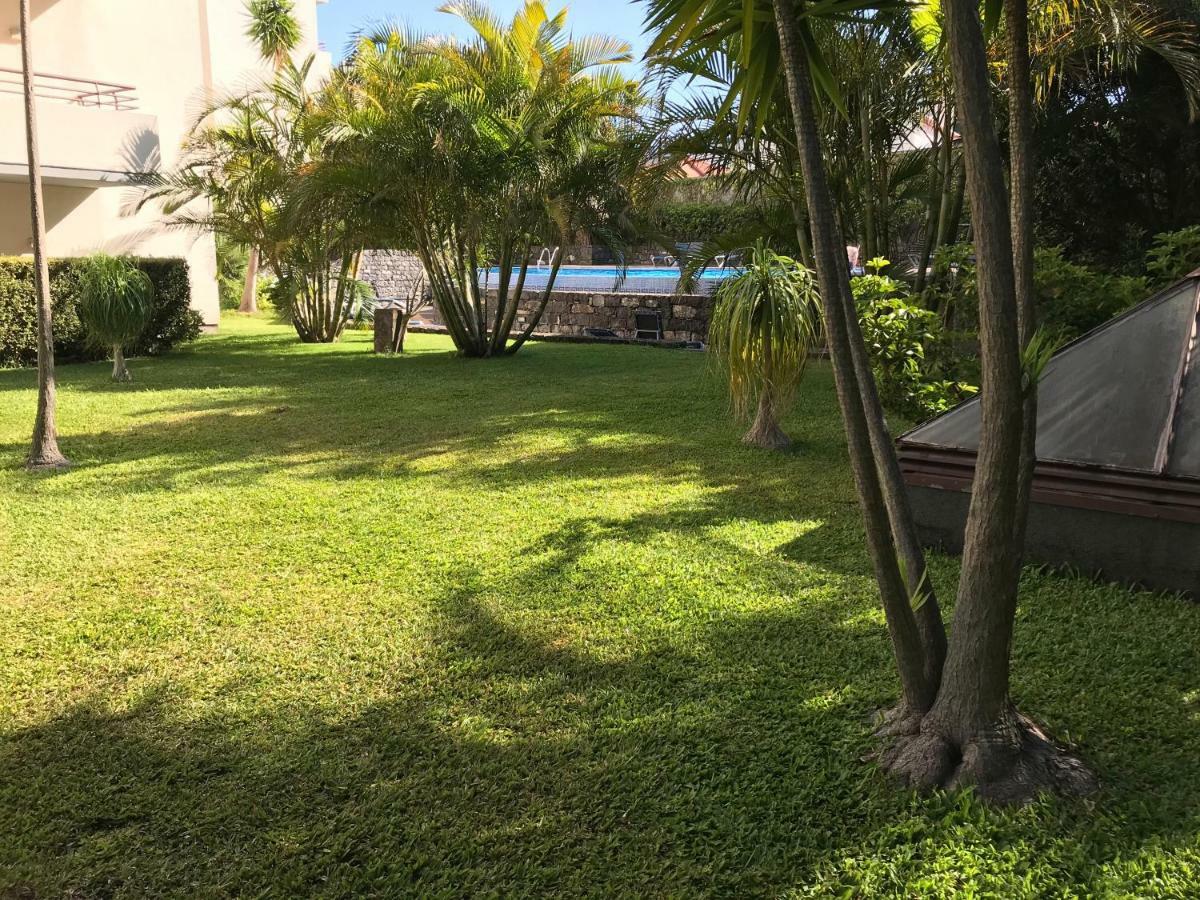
column 765, row 322
column 116, row 300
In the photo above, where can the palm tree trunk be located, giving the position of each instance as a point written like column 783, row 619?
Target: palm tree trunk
column 44, row 452
column 972, row 735
column 870, row 248
column 830, row 255
column 765, row 431
column 931, row 214
column 542, row 304
column 249, row 302
column 1021, row 150
column 120, row 370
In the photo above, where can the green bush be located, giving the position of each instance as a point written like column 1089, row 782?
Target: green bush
column 912, row 355
column 1071, row 299
column 1173, row 255
column 698, row 222
column 172, row 323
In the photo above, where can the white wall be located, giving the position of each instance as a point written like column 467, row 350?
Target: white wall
column 177, row 54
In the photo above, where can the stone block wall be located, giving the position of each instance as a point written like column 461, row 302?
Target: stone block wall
column 685, row 317
column 391, row 272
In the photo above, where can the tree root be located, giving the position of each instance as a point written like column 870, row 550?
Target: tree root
column 769, row 437
column 1010, row 762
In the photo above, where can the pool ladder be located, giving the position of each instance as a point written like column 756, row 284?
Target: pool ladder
column 546, row 256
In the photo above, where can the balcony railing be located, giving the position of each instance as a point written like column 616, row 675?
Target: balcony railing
column 74, row 91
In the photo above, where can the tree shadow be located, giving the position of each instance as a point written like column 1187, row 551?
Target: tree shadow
column 512, row 754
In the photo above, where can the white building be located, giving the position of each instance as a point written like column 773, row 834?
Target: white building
column 118, row 85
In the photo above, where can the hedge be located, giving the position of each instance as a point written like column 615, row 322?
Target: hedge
column 174, row 322
column 690, row 222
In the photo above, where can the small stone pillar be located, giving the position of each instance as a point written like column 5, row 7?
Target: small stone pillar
column 387, row 320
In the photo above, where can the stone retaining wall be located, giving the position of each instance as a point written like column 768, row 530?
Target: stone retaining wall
column 685, row 317
column 391, row 272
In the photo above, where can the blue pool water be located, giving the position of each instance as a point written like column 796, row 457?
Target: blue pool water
column 612, row 273
column 608, row 279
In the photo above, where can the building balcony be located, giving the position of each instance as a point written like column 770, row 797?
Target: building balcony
column 90, row 132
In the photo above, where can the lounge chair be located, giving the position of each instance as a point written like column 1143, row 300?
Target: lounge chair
column 647, row 324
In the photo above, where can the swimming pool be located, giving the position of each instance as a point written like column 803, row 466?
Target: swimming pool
column 638, row 280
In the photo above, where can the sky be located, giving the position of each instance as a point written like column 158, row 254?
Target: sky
column 339, row 19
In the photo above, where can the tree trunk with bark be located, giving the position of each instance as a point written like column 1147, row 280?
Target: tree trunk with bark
column 1021, row 161
column 44, row 452
column 249, row 302
column 973, row 735
column 120, row 371
column 833, row 277
column 765, row 431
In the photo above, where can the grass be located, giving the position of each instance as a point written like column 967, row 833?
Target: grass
column 304, row 621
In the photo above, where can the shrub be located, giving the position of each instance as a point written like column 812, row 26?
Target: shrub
column 173, row 321
column 116, row 300
column 911, row 353
column 1072, row 299
column 700, row 222
column 1173, row 255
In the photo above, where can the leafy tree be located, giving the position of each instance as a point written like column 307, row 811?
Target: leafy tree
column 44, row 452
column 481, row 151
column 116, row 301
column 255, row 157
column 955, row 725
column 276, row 33
column 765, row 322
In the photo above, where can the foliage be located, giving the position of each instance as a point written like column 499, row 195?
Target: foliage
column 173, row 321
column 1117, row 165
column 766, row 320
column 1173, row 255
column 1071, row 300
column 253, row 156
column 563, row 637
column 232, row 261
column 912, row 355
column 116, row 299
column 273, row 28
column 466, row 152
column 701, row 222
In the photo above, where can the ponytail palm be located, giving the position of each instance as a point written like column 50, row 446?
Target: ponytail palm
column 116, row 300
column 765, row 323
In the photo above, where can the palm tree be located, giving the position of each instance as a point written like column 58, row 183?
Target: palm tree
column 775, row 42
column 956, row 724
column 260, row 159
column 276, row 33
column 765, row 322
column 44, row 453
column 484, row 151
column 273, row 29
column 116, row 301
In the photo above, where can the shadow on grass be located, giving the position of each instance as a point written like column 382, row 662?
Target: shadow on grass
column 342, row 413
column 514, row 758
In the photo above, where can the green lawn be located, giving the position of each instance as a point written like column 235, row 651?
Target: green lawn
column 304, row 621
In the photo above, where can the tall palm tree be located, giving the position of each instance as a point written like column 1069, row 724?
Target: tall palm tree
column 765, row 322
column 478, row 151
column 44, row 454
column 775, row 44
column 956, row 724
column 276, row 33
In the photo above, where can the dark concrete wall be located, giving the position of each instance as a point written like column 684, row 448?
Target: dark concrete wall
column 1159, row 554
